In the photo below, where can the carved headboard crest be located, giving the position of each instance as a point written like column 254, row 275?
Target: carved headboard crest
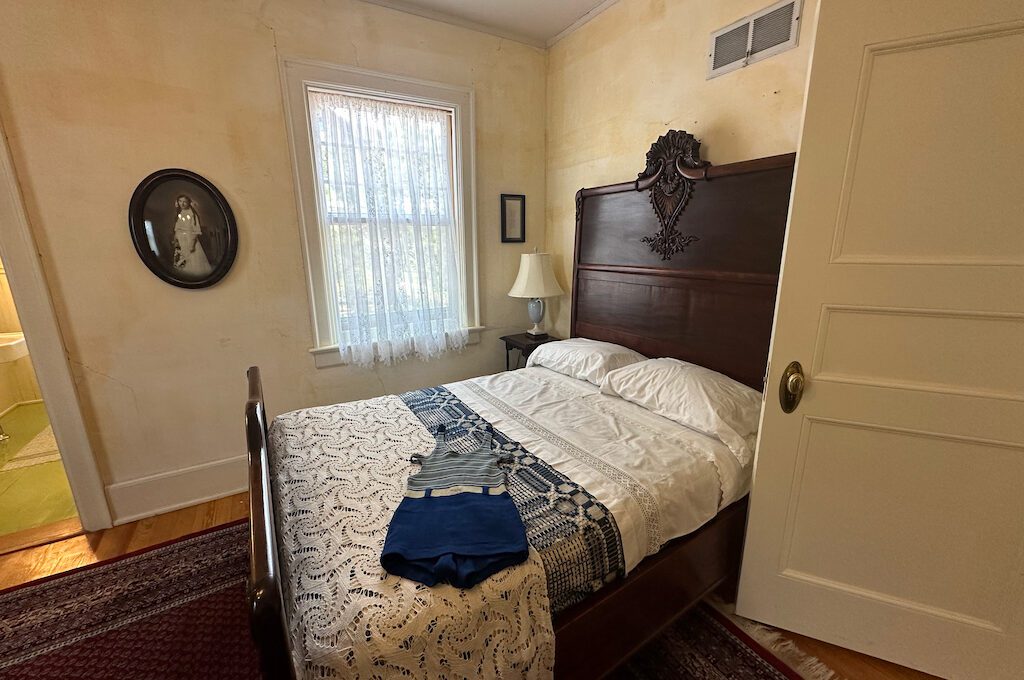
column 673, row 164
column 712, row 305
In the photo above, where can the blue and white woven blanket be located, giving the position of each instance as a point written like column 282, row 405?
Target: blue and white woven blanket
column 575, row 535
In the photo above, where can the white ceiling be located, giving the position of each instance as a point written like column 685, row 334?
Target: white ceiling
column 534, row 22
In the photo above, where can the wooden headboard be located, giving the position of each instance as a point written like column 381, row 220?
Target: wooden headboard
column 684, row 261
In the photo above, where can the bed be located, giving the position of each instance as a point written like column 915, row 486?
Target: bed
column 682, row 262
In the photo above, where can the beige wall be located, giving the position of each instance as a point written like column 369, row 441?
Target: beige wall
column 94, row 98
column 637, row 70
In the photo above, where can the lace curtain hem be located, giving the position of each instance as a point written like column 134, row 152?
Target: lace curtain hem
column 425, row 347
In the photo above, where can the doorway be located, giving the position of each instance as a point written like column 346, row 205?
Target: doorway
column 60, row 416
column 34, row 489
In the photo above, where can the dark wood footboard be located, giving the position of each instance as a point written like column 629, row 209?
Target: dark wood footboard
column 266, row 599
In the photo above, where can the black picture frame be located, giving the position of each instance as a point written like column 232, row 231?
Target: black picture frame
column 187, row 243
column 513, row 223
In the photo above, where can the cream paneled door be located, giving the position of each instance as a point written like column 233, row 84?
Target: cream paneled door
column 887, row 511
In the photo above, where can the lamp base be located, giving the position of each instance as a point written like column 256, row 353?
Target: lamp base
column 536, row 309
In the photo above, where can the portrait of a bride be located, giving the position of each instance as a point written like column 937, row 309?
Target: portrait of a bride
column 189, row 255
column 183, row 228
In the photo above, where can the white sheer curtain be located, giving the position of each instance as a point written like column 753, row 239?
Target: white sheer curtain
column 391, row 242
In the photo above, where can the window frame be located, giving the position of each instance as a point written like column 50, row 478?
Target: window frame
column 298, row 76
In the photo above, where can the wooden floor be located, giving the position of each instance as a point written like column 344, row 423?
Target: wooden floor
column 44, row 560
column 854, row 665
column 48, row 533
column 62, row 555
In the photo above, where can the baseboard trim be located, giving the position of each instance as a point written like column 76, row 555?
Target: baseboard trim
column 19, row 403
column 156, row 494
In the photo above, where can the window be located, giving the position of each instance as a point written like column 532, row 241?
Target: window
column 385, row 194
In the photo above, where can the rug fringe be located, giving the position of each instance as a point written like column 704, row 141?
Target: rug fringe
column 807, row 666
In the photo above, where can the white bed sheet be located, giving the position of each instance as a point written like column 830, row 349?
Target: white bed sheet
column 659, row 479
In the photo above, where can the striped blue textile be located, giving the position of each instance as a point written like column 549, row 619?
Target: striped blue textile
column 446, row 468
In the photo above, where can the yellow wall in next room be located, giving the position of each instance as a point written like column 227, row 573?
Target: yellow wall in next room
column 17, row 378
column 637, row 70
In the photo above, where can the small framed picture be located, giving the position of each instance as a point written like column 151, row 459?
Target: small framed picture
column 183, row 228
column 513, row 218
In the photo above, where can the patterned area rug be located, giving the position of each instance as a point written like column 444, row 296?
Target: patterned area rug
column 178, row 611
column 41, row 449
column 705, row 645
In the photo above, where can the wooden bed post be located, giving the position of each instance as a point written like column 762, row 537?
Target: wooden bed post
column 266, row 601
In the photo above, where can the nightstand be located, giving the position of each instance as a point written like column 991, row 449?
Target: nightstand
column 525, row 343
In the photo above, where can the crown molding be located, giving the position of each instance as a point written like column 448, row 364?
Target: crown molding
column 409, row 8
column 574, row 26
column 443, row 17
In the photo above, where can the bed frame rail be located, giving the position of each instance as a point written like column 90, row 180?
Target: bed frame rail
column 266, row 599
column 597, row 635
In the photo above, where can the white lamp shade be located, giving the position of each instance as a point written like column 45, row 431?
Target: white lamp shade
column 536, row 278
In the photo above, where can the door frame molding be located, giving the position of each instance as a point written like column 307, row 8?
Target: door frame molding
column 46, row 347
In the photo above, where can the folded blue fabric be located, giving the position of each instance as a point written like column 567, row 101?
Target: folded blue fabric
column 457, row 523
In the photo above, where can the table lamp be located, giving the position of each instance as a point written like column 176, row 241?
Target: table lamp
column 536, row 280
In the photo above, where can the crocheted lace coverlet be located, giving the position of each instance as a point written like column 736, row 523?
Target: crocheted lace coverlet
column 340, row 471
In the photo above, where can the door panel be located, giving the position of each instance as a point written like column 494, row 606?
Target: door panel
column 887, row 511
column 918, row 219
column 876, row 504
column 910, row 348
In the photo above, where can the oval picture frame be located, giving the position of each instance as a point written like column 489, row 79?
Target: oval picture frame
column 182, row 228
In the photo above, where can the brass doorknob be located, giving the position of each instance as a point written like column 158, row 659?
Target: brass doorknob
column 791, row 387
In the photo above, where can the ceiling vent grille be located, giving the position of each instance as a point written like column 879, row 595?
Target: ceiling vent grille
column 730, row 47
column 755, row 37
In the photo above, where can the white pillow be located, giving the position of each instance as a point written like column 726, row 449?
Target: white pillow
column 584, row 359
column 694, row 396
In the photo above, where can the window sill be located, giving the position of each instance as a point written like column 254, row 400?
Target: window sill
column 328, row 356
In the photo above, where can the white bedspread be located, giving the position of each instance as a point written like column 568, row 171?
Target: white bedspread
column 659, row 479
column 340, row 471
